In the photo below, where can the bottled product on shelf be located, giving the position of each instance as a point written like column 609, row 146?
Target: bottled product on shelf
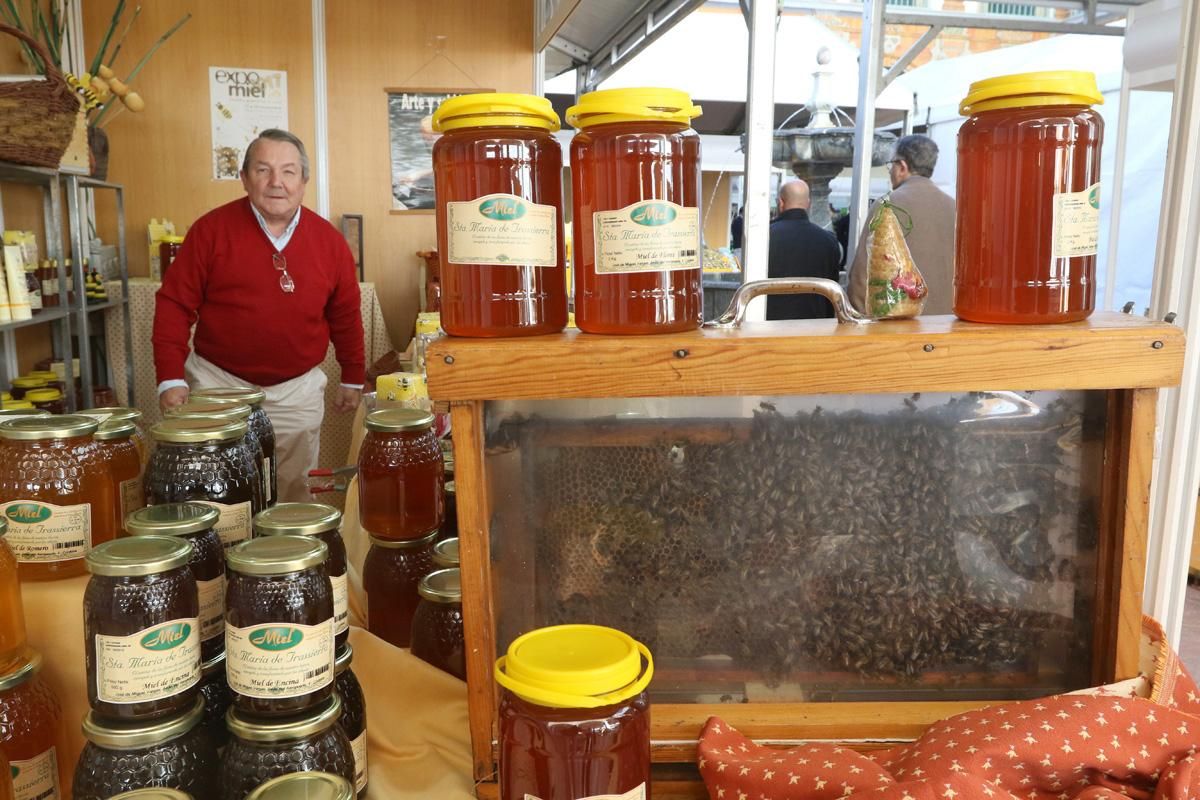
column 116, row 439
column 391, row 573
column 49, row 400
column 400, row 475
column 437, row 626
column 24, row 384
column 354, row 716
column 12, row 612
column 31, row 732
column 259, row 422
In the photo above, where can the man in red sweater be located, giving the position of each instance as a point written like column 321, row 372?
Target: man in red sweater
column 267, row 284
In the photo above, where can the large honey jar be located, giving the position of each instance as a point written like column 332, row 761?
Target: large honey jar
column 176, row 752
column 321, row 522
column 400, row 475
column 141, row 437
column 304, row 786
column 260, row 750
column 354, row 716
column 141, row 624
column 115, row 438
column 445, row 553
column 207, row 461
column 260, row 423
column 196, row 524
column 56, row 492
column 437, row 626
column 574, row 718
column 231, row 410
column 31, row 732
column 153, row 794
column 391, row 573
column 498, row 172
column 635, row 180
column 279, row 653
column 12, row 613
column 1028, row 204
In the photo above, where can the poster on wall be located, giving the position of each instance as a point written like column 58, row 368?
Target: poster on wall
column 411, row 136
column 242, row 102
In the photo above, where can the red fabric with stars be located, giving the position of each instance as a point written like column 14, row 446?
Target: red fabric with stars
column 1104, row 744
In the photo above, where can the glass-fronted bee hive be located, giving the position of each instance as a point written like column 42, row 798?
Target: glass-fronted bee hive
column 822, row 532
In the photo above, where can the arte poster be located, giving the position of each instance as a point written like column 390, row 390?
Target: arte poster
column 243, row 102
column 411, row 137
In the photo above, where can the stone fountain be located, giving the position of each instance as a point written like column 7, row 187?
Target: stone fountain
column 820, row 150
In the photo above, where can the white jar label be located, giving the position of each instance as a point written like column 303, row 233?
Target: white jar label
column 267, row 479
column 42, row 532
column 212, row 608
column 502, row 229
column 649, row 236
column 636, row 793
column 341, row 604
column 1076, row 223
column 132, row 497
column 359, row 746
column 36, row 778
column 153, row 664
column 234, row 523
column 279, row 660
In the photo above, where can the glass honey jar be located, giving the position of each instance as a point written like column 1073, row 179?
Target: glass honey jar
column 49, row 400
column 437, row 626
column 574, row 717
column 260, row 423
column 279, row 653
column 392, row 571
column 141, row 622
column 260, row 750
column 230, row 410
column 12, row 613
column 56, row 492
column 321, row 522
column 400, row 475
column 175, row 753
column 635, row 180
column 115, row 438
column 22, row 385
column 214, row 689
column 354, row 715
column 445, row 553
column 141, row 436
column 497, row 169
column 6, row 791
column 1028, row 201
column 31, row 732
column 196, row 524
column 153, row 794
column 206, row 460
column 449, row 529
column 304, row 786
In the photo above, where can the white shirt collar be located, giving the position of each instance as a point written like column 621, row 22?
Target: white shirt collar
column 280, row 241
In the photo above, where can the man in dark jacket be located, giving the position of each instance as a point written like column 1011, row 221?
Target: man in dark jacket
column 800, row 249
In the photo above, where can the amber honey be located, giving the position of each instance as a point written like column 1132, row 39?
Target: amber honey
column 392, row 572
column 400, row 475
column 116, row 440
column 12, row 615
column 31, row 733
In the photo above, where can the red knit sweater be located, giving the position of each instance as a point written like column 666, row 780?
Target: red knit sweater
column 223, row 280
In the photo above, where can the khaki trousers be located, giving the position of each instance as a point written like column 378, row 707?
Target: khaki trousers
column 296, row 408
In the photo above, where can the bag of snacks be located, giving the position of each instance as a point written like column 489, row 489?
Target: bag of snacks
column 895, row 288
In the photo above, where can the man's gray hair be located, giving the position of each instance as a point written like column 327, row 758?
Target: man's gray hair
column 279, row 135
column 919, row 152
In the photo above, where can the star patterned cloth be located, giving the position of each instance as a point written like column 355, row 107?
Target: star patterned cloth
column 1136, row 739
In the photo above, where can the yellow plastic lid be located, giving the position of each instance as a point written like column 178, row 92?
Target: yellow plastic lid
column 646, row 104
column 28, row 383
column 575, row 666
column 172, row 239
column 5, row 396
column 1027, row 89
column 14, row 405
column 47, row 375
column 43, row 395
column 495, row 110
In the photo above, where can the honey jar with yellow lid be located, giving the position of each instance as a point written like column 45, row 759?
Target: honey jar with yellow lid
column 22, row 385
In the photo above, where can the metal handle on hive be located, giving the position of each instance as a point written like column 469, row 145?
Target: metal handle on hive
column 830, row 290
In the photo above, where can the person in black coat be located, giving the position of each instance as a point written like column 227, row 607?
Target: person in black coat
column 800, row 249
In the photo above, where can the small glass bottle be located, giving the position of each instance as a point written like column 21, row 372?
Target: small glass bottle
column 321, row 522
column 33, row 286
column 304, row 786
column 31, row 732
column 196, row 524
column 141, row 621
column 437, row 626
column 115, row 438
column 391, row 573
column 12, row 613
column 260, row 423
column 400, row 475
column 354, row 716
column 175, row 752
column 263, row 749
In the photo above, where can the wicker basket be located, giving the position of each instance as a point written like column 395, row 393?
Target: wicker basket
column 37, row 117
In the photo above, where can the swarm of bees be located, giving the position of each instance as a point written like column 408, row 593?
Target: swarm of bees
column 886, row 546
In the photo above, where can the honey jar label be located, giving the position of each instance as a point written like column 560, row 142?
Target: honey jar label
column 359, row 746
column 637, row 793
column 267, row 479
column 1076, row 229
column 43, row 532
column 234, row 523
column 153, row 664
column 212, row 607
column 341, row 604
column 647, row 236
column 279, row 659
column 36, row 778
column 132, row 496
column 502, row 229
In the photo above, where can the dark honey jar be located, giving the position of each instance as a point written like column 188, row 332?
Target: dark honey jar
column 174, row 753
column 141, row 625
column 391, row 572
column 400, row 475
column 260, row 423
column 354, row 716
column 279, row 625
column 321, row 522
column 437, row 627
column 194, row 523
column 231, row 411
column 207, row 461
column 31, row 731
column 445, row 553
column 217, row 699
column 115, row 438
column 260, row 750
column 153, row 794
column 304, row 786
column 449, row 528
column 574, row 718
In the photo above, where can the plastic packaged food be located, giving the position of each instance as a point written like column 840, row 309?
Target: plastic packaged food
column 391, row 573
column 895, row 286
column 437, row 626
column 400, row 475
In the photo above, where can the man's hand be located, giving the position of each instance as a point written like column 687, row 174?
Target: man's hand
column 175, row 396
column 347, row 399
